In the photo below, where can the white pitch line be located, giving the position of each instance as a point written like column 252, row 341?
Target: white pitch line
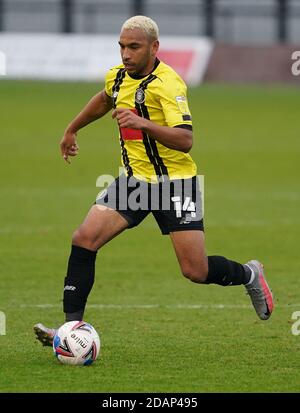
column 160, row 306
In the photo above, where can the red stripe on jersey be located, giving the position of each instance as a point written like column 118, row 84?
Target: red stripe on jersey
column 128, row 134
column 131, row 134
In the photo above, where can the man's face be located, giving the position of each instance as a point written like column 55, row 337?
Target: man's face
column 137, row 51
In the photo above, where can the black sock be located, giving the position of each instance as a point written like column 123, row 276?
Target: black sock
column 78, row 282
column 76, row 316
column 226, row 272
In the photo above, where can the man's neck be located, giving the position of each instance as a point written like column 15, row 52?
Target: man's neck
column 147, row 72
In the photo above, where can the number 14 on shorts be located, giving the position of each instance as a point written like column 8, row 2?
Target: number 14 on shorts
column 186, row 206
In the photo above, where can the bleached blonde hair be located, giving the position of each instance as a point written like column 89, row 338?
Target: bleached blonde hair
column 142, row 22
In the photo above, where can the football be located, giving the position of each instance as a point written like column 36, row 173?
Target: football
column 76, row 343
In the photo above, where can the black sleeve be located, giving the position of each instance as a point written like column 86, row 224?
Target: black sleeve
column 183, row 126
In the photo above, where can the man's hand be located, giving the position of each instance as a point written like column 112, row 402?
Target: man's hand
column 128, row 119
column 68, row 146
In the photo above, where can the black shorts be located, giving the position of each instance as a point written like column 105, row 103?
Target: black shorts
column 175, row 204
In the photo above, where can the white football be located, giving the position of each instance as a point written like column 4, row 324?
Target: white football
column 76, row 343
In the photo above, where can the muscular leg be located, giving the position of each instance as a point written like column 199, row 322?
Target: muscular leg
column 195, row 265
column 190, row 251
column 100, row 226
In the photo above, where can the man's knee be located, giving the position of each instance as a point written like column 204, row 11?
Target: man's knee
column 197, row 274
column 82, row 239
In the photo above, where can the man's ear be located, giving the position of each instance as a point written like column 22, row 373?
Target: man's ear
column 154, row 47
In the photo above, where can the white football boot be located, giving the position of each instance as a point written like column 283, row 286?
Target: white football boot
column 44, row 334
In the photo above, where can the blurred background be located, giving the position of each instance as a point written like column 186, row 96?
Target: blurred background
column 259, row 36
column 230, row 21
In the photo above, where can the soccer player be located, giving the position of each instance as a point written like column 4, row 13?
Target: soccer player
column 149, row 103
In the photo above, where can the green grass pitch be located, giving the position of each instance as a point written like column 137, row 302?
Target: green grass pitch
column 159, row 332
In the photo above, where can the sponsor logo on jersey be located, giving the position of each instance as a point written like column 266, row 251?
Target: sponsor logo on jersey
column 182, row 105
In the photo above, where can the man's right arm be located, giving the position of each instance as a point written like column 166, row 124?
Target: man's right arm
column 97, row 107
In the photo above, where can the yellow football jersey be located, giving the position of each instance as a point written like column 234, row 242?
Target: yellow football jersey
column 161, row 98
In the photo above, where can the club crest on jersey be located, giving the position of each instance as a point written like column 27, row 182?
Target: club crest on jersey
column 140, row 96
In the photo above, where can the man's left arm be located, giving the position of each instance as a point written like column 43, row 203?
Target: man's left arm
column 178, row 138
